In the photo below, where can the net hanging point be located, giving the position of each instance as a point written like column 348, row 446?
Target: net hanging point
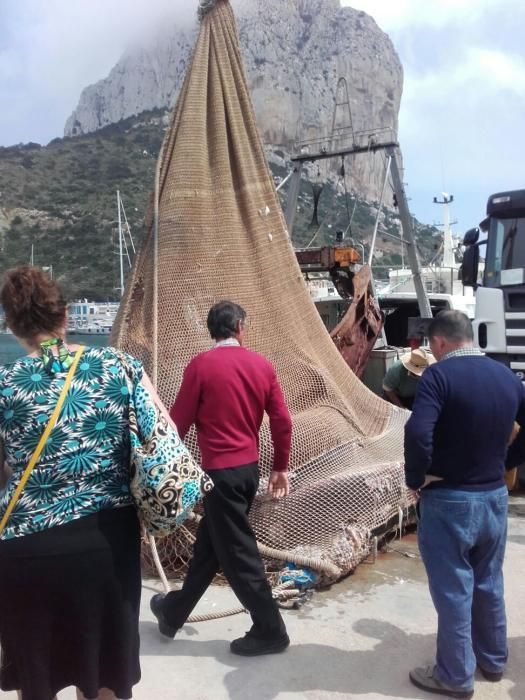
column 205, row 6
column 317, row 189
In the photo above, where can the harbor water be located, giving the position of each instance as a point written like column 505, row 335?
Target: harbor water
column 10, row 348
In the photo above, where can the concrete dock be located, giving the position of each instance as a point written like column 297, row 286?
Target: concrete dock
column 357, row 640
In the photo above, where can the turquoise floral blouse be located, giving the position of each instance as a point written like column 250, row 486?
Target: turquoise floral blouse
column 84, row 467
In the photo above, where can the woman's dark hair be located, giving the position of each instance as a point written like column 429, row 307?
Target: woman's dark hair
column 32, row 302
column 223, row 318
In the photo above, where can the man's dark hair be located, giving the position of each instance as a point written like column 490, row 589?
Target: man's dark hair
column 452, row 325
column 223, row 318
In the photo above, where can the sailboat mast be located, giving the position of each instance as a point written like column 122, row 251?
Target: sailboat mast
column 121, row 253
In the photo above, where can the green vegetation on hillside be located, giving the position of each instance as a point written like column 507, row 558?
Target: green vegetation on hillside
column 61, row 199
column 72, row 183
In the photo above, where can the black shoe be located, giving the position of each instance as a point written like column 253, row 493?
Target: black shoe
column 155, row 605
column 492, row 676
column 256, row 646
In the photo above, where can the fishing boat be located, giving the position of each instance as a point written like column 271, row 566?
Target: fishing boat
column 441, row 279
column 91, row 318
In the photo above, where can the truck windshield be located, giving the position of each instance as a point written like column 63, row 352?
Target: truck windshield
column 505, row 248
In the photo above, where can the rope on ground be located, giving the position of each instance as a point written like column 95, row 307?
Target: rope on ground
column 283, row 591
column 320, row 565
column 215, row 615
column 158, row 564
column 403, row 552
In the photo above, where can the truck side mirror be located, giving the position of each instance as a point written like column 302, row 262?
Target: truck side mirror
column 469, row 267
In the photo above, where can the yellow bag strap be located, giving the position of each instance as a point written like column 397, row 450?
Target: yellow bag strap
column 41, row 444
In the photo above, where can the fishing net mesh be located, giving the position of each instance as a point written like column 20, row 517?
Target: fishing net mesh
column 222, row 235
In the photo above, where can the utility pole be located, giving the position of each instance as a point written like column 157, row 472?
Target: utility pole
column 449, row 259
column 408, row 234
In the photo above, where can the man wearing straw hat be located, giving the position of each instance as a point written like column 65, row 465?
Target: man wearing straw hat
column 400, row 381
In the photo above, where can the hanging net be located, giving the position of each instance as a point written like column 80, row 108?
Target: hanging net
column 221, row 235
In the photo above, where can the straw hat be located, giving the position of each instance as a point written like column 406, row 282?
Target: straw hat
column 416, row 361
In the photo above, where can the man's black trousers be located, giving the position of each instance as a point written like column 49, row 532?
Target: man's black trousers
column 225, row 541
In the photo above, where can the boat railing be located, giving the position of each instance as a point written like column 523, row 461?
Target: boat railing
column 438, row 279
column 351, row 139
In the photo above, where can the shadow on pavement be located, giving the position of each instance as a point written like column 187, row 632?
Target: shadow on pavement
column 310, row 667
column 517, row 539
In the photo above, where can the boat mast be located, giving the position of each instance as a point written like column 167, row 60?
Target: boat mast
column 121, row 252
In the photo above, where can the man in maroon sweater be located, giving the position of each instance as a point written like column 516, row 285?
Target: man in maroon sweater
column 225, row 393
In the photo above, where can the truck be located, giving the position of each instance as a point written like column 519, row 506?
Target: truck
column 499, row 323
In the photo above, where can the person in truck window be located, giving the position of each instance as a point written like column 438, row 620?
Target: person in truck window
column 225, row 393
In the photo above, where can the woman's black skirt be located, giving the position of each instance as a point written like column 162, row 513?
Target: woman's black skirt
column 69, row 607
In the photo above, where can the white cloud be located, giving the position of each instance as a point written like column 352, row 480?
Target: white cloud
column 460, row 130
column 461, row 112
column 476, row 73
column 503, row 71
column 50, row 51
column 463, row 98
column 399, row 14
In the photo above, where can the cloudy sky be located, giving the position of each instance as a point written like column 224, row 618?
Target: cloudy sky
column 462, row 113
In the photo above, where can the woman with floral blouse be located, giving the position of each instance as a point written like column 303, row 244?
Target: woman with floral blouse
column 70, row 552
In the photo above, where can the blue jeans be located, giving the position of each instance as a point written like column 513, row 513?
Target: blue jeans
column 462, row 536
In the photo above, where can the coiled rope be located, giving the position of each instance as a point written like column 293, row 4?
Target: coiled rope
column 283, row 591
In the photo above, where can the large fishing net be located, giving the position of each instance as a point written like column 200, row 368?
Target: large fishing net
column 222, row 235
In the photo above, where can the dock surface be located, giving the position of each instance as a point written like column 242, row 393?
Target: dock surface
column 357, row 640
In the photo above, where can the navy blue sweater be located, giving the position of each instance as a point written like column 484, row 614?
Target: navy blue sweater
column 462, row 419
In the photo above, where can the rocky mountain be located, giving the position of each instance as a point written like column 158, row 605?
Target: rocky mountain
column 60, row 200
column 295, row 52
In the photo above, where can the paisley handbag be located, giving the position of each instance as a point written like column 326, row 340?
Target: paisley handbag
column 166, row 483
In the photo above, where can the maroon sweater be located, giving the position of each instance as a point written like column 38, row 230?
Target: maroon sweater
column 225, row 392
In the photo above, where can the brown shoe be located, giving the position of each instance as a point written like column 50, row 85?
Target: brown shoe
column 425, row 679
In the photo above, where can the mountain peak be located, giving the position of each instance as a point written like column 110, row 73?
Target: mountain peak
column 295, row 51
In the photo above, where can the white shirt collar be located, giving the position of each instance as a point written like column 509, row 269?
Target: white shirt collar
column 467, row 351
column 229, row 342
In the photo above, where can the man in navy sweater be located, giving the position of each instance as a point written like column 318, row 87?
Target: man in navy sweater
column 225, row 393
column 455, row 448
